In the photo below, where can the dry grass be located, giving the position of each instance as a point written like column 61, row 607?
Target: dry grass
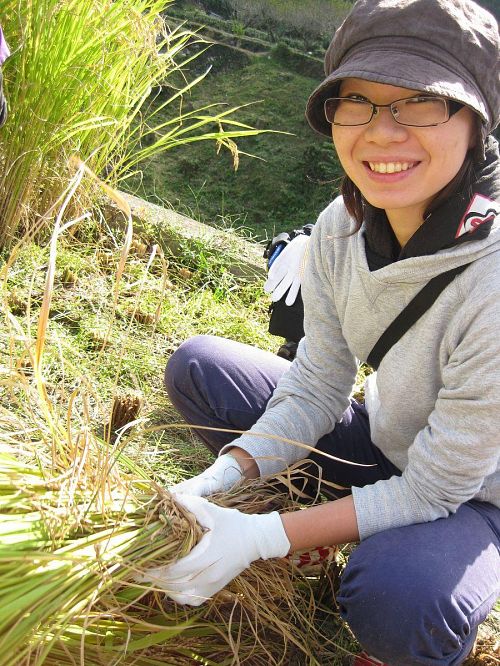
column 80, row 519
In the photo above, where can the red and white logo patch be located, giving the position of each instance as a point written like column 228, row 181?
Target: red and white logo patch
column 480, row 210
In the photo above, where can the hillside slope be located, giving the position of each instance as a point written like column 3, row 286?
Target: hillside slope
column 296, row 174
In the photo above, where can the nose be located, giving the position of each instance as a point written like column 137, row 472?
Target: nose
column 383, row 129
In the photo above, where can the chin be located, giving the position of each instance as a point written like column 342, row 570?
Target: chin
column 389, row 203
column 393, row 200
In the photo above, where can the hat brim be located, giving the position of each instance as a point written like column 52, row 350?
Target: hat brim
column 396, row 68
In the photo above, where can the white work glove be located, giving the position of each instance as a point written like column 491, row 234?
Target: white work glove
column 233, row 541
column 222, row 475
column 287, row 270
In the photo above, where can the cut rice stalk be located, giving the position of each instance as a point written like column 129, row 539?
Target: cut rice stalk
column 80, row 522
column 79, row 601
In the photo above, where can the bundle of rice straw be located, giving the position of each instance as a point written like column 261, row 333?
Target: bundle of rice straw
column 79, row 521
column 69, row 555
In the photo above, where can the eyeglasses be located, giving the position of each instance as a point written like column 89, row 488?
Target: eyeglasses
column 419, row 111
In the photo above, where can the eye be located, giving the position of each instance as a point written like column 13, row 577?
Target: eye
column 356, row 97
column 421, row 99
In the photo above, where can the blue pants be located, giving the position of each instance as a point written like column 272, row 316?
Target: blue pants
column 411, row 595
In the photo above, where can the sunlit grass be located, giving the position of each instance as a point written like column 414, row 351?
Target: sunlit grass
column 77, row 512
column 81, row 515
column 78, row 82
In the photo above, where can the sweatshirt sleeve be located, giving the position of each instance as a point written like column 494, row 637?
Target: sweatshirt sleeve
column 314, row 393
column 459, row 448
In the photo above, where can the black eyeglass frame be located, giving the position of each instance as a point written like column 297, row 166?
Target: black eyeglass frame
column 452, row 107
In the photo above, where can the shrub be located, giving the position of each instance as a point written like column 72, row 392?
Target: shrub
column 296, row 61
column 221, row 7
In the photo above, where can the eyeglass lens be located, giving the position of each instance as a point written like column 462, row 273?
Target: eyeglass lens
column 415, row 111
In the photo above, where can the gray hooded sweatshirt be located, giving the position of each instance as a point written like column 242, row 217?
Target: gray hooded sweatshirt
column 433, row 404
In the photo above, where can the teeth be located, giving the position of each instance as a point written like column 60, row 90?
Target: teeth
column 390, row 167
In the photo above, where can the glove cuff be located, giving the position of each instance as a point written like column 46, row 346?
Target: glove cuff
column 271, row 538
column 228, row 469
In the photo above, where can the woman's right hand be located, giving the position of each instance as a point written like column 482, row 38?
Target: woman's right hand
column 222, row 475
column 231, row 542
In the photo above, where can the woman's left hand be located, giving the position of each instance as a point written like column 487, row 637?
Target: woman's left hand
column 233, row 541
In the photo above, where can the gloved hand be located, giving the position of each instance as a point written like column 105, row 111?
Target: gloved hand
column 233, row 542
column 287, row 269
column 222, row 475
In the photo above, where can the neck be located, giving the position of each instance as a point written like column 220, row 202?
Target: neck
column 404, row 224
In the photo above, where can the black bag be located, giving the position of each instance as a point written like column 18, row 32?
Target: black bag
column 286, row 321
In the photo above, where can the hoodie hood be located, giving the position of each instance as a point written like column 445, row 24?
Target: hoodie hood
column 463, row 229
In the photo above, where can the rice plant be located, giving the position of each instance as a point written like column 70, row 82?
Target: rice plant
column 80, row 519
column 80, row 81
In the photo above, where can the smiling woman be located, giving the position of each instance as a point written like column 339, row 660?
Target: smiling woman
column 402, row 156
column 411, row 96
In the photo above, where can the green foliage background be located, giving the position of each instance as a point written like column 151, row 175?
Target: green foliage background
column 297, row 173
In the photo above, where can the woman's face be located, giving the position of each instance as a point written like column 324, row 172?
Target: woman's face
column 423, row 159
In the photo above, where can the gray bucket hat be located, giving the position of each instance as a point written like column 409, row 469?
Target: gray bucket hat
column 446, row 47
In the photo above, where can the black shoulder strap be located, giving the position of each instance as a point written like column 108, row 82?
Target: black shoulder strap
column 411, row 314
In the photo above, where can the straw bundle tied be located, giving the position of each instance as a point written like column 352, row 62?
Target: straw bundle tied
column 69, row 557
column 80, row 520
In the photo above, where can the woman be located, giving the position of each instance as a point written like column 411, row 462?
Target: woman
column 411, row 96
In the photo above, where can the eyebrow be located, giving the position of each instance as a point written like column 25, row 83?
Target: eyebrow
column 409, row 94
column 350, row 90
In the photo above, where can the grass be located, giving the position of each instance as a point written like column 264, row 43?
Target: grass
column 295, row 177
column 78, row 82
column 123, row 348
column 64, row 496
column 193, row 300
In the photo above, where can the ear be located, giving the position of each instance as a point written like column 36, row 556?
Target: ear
column 476, row 135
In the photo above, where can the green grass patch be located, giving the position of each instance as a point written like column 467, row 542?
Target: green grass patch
column 295, row 176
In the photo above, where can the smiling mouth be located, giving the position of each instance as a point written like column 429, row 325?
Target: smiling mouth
column 390, row 167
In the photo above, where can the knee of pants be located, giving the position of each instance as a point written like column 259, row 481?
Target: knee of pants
column 176, row 370
column 398, row 613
